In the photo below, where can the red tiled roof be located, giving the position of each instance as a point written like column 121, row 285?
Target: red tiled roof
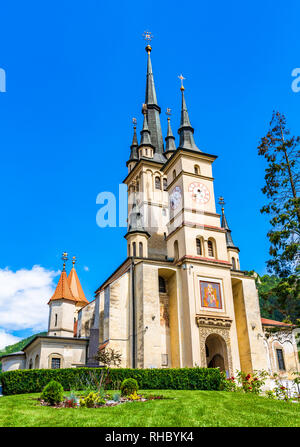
column 76, row 288
column 267, row 322
column 62, row 290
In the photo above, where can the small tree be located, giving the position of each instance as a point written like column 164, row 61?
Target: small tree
column 282, row 190
column 109, row 357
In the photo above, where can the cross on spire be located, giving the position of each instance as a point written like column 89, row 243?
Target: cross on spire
column 181, row 80
column 64, row 258
column 74, row 260
column 148, row 36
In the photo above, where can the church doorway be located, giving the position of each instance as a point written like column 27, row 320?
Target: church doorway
column 216, row 353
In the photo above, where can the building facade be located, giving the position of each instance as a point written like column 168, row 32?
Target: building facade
column 180, row 298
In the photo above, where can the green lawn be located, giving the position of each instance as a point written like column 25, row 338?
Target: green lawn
column 182, row 408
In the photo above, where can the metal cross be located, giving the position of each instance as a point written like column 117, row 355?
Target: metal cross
column 64, row 258
column 168, row 112
column 181, row 79
column 134, row 121
column 148, row 36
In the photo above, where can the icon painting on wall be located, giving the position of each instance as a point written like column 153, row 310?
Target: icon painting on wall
column 210, row 295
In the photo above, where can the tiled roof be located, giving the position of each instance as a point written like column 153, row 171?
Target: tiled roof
column 62, row 290
column 76, row 288
column 267, row 322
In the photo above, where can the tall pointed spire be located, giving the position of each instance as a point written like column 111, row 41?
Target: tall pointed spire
column 76, row 287
column 170, row 139
column 153, row 112
column 145, row 132
column 186, row 131
column 224, row 224
column 134, row 144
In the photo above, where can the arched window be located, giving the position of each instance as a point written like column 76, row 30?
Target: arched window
column 198, row 246
column 157, row 183
column 165, row 183
column 134, row 249
column 176, row 250
column 37, row 361
column 162, row 285
column 55, row 323
column 174, row 174
column 233, row 263
column 30, row 364
column 141, row 250
column 210, row 248
column 197, row 169
column 146, row 151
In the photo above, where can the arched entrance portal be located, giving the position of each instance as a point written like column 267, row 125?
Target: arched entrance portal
column 216, row 352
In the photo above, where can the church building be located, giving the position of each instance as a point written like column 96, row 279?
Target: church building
column 180, row 298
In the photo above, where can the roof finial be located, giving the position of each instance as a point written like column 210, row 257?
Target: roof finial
column 221, row 202
column 64, row 258
column 181, row 80
column 74, row 260
column 148, row 36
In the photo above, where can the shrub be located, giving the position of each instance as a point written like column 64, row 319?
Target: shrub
column 33, row 380
column 129, row 386
column 53, row 393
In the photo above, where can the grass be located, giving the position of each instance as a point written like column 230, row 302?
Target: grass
column 180, row 409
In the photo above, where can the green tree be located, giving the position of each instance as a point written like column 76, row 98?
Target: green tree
column 282, row 177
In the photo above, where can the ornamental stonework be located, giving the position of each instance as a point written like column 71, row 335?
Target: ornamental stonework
column 209, row 321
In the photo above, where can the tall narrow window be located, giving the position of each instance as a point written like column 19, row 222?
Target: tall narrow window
column 198, row 246
column 157, row 183
column 280, row 359
column 141, row 249
column 210, row 248
column 233, row 263
column 134, row 249
column 176, row 250
column 55, row 363
column 174, row 174
column 196, row 169
column 30, row 364
column 128, row 250
column 55, row 323
column 162, row 285
column 165, row 183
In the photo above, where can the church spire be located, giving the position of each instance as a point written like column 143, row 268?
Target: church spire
column 170, row 139
column 135, row 220
column 224, row 224
column 186, row 131
column 145, row 132
column 153, row 112
column 63, row 291
column 134, row 144
column 76, row 287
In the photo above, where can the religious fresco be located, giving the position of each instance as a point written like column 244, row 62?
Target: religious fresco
column 210, row 295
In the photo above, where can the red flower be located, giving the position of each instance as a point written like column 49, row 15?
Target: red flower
column 282, row 387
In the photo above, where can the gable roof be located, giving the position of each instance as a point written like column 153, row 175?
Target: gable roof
column 267, row 322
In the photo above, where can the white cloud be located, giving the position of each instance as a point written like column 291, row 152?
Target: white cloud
column 86, row 268
column 24, row 295
column 7, row 339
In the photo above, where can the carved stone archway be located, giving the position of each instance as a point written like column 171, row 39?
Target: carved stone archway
column 218, row 326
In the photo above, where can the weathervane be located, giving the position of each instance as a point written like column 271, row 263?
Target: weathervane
column 221, row 202
column 181, row 80
column 134, row 121
column 168, row 112
column 74, row 260
column 148, row 36
column 64, row 258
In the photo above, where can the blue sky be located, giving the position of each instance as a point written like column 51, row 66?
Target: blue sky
column 76, row 77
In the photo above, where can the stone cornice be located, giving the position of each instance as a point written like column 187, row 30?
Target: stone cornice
column 213, row 321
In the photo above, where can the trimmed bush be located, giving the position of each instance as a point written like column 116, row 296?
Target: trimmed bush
column 33, row 380
column 53, row 393
column 129, row 386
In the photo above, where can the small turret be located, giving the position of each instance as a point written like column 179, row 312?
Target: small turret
column 133, row 148
column 232, row 250
column 62, row 307
column 170, row 139
column 136, row 236
column 186, row 131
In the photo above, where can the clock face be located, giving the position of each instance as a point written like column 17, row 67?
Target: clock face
column 199, row 192
column 175, row 197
